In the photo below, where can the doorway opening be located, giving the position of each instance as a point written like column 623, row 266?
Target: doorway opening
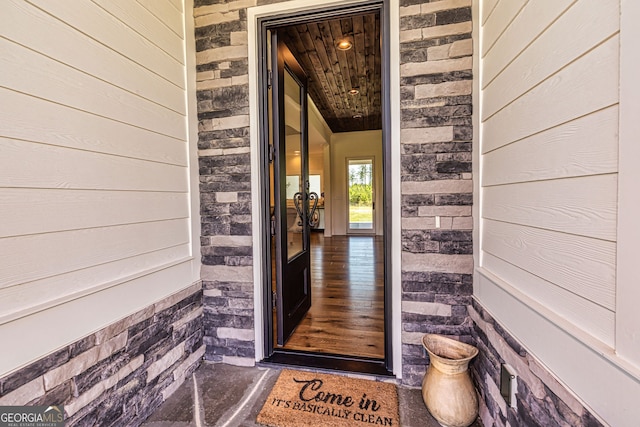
column 325, row 147
column 360, row 188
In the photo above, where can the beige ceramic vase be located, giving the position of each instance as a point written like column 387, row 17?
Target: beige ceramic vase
column 447, row 389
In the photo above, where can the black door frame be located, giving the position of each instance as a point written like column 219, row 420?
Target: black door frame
column 293, row 306
column 310, row 359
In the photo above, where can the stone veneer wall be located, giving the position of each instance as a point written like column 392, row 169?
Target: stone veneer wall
column 225, row 179
column 541, row 399
column 119, row 375
column 436, row 136
column 437, row 266
column 436, row 173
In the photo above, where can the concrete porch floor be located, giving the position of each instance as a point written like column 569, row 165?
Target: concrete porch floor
column 232, row 396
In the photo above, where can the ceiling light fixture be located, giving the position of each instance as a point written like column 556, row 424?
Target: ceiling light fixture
column 353, row 92
column 344, row 45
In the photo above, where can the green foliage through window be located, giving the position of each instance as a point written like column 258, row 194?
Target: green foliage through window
column 360, row 194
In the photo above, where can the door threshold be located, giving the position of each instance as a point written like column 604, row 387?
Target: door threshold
column 329, row 362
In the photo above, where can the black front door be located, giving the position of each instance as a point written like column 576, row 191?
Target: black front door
column 291, row 190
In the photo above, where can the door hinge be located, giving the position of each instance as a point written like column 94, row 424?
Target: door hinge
column 274, row 300
column 269, row 79
column 273, row 225
column 272, row 153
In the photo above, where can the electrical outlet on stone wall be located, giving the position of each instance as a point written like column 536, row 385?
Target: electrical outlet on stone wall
column 508, row 384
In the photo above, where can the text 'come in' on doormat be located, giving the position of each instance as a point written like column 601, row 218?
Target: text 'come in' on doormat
column 301, row 399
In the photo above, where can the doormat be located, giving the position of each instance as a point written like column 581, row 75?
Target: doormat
column 308, row 399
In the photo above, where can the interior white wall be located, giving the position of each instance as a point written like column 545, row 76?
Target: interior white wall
column 96, row 176
column 319, row 131
column 354, row 145
column 320, row 137
column 546, row 79
column 326, row 162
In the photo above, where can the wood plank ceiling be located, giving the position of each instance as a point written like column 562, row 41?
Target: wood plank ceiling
column 333, row 72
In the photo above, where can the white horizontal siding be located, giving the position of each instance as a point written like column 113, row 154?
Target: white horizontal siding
column 525, row 27
column 582, row 87
column 549, row 153
column 31, row 27
column 93, row 21
column 68, row 127
column 545, row 56
column 143, row 22
column 34, row 257
column 177, row 4
column 584, row 146
column 35, row 165
column 37, row 295
column 593, row 318
column 501, row 17
column 95, row 194
column 34, row 74
column 165, row 11
column 584, row 206
column 581, row 265
column 21, row 209
column 488, row 7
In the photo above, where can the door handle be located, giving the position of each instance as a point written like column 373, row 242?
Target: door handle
column 313, row 197
column 298, row 202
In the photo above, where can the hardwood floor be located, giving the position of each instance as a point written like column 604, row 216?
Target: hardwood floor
column 347, row 298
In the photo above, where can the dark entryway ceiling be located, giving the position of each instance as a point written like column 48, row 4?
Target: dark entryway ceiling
column 333, row 72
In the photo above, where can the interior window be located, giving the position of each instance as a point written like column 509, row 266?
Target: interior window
column 314, row 184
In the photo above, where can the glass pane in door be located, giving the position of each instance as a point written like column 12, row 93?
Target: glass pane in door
column 360, row 185
column 293, row 165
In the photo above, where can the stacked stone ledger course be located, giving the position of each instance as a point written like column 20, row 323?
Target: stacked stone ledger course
column 225, row 179
column 540, row 400
column 437, row 192
column 119, row 375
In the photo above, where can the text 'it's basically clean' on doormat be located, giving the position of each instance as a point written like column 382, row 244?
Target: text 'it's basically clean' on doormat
column 301, row 399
